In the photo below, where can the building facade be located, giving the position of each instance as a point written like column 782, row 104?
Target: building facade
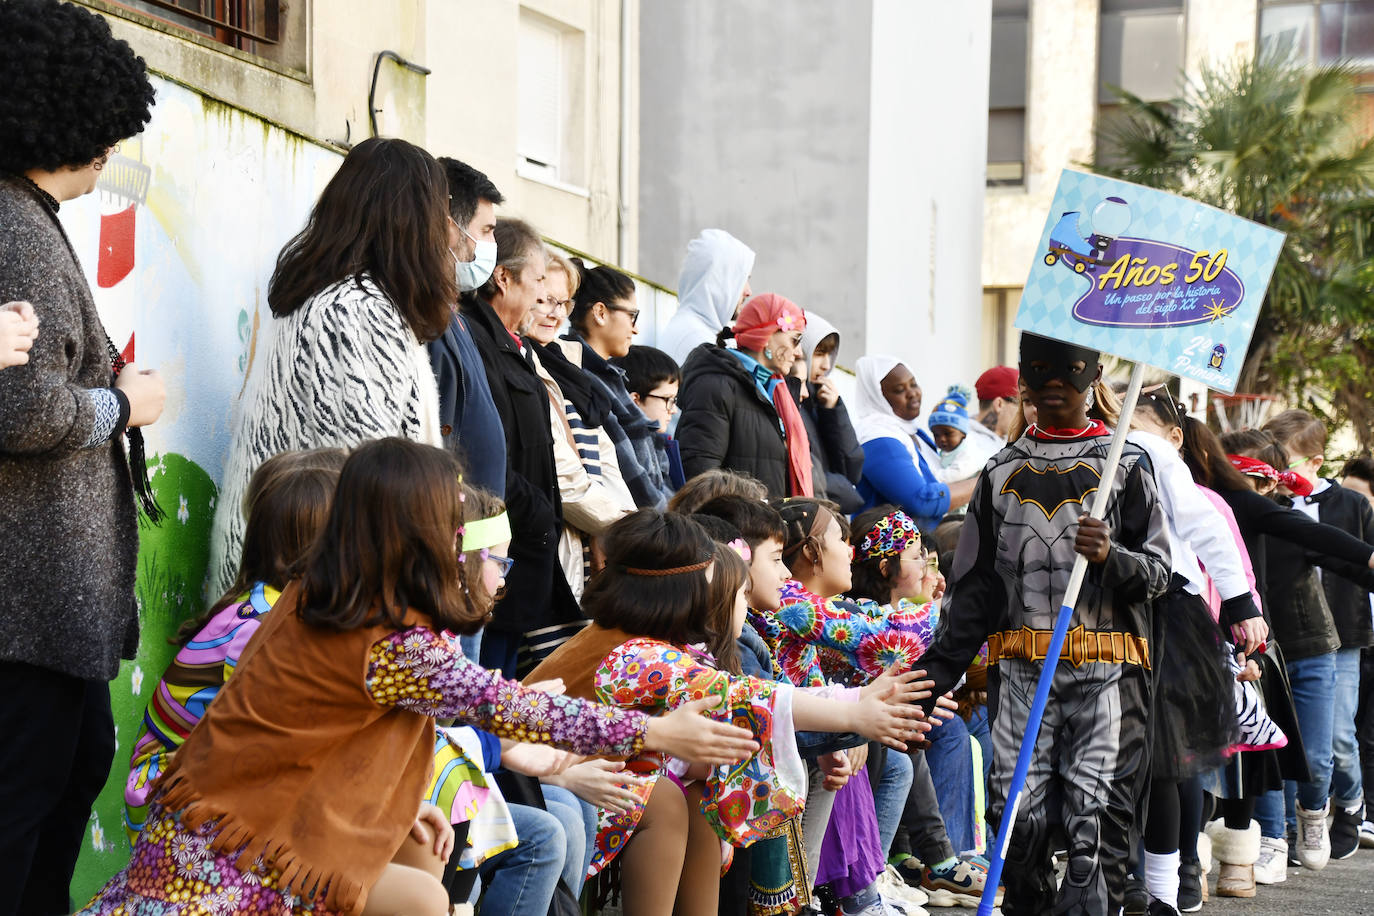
column 1051, row 71
column 843, row 142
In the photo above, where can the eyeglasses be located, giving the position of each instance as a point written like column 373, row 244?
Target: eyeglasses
column 669, row 401
column 503, row 564
column 550, row 304
column 633, row 313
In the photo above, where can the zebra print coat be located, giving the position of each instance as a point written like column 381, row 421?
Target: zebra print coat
column 341, row 369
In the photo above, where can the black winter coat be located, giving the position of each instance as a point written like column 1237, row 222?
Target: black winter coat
column 538, row 594
column 1349, row 602
column 727, row 422
column 838, row 458
column 1284, row 544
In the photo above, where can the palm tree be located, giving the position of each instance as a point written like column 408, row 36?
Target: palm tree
column 1273, row 140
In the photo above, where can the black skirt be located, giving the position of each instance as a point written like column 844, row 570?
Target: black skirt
column 1193, row 712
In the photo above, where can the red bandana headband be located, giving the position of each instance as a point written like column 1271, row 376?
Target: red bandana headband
column 1253, row 467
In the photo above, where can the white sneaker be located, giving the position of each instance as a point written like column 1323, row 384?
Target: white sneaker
column 1314, row 843
column 899, row 895
column 1367, row 835
column 1272, row 865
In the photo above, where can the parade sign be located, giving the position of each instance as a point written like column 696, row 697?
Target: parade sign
column 1150, row 277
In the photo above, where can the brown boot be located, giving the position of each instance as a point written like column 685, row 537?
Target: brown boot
column 1236, row 881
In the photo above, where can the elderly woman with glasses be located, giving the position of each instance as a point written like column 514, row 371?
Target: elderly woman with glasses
column 589, row 480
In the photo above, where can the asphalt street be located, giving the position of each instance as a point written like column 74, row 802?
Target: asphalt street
column 1341, row 889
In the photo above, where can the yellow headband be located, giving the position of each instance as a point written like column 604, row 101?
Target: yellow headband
column 486, row 532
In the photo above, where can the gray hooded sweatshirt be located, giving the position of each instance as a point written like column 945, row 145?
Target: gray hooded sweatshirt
column 713, row 276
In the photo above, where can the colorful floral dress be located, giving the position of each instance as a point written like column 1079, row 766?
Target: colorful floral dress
column 744, row 801
column 174, row 871
column 191, row 681
column 815, row 641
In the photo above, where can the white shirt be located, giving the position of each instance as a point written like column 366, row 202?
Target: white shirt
column 1197, row 531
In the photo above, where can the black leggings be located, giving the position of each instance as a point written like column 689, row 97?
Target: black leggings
column 1175, row 817
column 1238, row 812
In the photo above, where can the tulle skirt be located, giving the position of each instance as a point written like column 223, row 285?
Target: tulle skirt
column 1194, row 721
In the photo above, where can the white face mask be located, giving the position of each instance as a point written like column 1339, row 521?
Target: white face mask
column 472, row 274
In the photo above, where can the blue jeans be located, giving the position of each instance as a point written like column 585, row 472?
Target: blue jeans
column 950, row 758
column 889, row 796
column 522, row 880
column 573, row 813
column 1314, row 698
column 1347, row 778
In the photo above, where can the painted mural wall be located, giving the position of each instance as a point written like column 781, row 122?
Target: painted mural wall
column 178, row 243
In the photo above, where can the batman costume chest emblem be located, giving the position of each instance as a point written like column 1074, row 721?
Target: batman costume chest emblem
column 1051, row 487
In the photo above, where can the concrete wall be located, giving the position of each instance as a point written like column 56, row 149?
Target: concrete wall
column 927, row 146
column 754, row 119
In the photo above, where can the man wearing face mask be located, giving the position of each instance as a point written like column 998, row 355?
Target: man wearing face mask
column 469, row 421
column 1026, row 526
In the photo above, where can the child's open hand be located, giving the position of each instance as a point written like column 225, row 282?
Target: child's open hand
column 946, row 708
column 432, row 822
column 1093, row 540
column 603, row 783
column 911, row 686
column 688, row 735
column 879, row 718
column 537, row 760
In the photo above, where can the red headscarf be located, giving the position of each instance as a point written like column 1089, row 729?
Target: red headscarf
column 1253, row 467
column 761, row 318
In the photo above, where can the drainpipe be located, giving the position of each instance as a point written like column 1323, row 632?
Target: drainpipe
column 372, row 91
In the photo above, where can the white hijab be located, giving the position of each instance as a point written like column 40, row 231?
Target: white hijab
column 873, row 416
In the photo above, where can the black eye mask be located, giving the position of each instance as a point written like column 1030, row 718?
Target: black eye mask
column 1058, row 359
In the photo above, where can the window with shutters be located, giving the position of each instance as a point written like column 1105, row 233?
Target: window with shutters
column 551, row 125
column 1007, row 93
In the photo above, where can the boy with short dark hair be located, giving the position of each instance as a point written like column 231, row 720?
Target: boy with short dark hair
column 1304, row 436
column 652, row 378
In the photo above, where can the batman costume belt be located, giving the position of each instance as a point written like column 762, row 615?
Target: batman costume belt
column 1080, row 646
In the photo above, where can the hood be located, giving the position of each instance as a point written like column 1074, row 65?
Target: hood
column 873, row 417
column 713, row 276
column 709, row 359
column 816, row 330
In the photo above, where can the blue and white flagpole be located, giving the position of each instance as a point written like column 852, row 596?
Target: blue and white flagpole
column 1061, row 628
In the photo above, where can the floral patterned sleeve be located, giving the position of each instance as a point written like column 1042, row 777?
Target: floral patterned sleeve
column 856, row 637
column 424, row 671
column 742, row 802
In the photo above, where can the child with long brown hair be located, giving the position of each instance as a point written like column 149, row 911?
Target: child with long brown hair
column 301, row 782
column 286, row 504
column 653, row 621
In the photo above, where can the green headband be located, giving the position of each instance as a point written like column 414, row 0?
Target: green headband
column 486, row 532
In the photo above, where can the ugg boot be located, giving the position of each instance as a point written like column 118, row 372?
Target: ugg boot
column 1237, row 851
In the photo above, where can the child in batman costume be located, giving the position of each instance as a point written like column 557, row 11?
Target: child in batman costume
column 1026, row 524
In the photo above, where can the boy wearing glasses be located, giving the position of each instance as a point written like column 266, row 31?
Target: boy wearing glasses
column 653, row 379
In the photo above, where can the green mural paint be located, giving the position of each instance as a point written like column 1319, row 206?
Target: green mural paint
column 172, row 560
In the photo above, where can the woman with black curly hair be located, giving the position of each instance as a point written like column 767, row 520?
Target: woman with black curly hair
column 67, row 503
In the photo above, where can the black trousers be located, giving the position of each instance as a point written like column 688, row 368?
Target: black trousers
column 58, row 745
